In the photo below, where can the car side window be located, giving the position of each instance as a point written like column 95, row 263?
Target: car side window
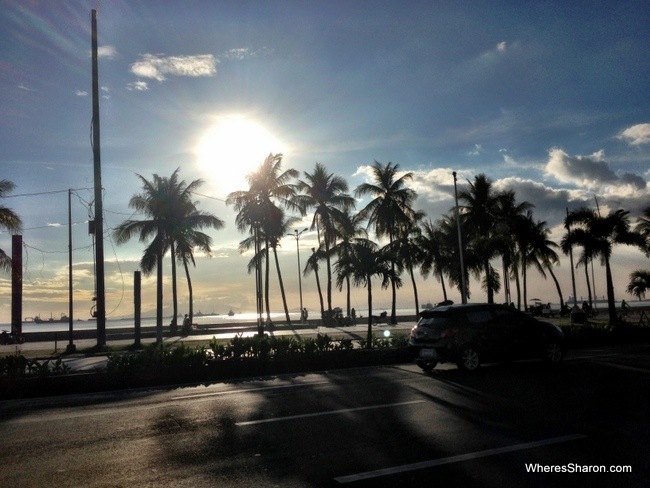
column 479, row 317
column 512, row 317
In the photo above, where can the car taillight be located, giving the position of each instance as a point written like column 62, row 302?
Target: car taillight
column 450, row 332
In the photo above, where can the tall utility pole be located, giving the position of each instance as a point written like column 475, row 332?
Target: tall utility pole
column 99, row 225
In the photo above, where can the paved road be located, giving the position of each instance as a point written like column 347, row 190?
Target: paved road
column 367, row 427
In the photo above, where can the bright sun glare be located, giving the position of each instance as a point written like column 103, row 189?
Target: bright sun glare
column 232, row 148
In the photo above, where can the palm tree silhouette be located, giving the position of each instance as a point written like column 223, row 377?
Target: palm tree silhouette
column 9, row 220
column 365, row 261
column 327, row 194
column 601, row 234
column 172, row 219
column 389, row 210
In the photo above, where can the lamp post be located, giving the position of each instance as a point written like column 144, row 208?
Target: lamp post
column 296, row 234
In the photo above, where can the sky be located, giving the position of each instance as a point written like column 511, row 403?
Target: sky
column 549, row 99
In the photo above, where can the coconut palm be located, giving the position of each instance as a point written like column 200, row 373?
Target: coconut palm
column 326, row 194
column 155, row 203
column 639, row 283
column 258, row 208
column 435, row 253
column 184, row 218
column 480, row 214
column 509, row 216
column 187, row 237
column 277, row 227
column 390, row 209
column 348, row 230
column 365, row 261
column 408, row 252
column 9, row 220
column 604, row 233
column 643, row 228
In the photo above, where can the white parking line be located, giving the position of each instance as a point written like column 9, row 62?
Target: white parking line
column 328, row 412
column 455, row 459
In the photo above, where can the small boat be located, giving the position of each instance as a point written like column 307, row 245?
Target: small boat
column 231, row 313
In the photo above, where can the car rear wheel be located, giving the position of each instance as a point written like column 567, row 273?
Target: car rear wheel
column 468, row 359
column 553, row 353
column 427, row 366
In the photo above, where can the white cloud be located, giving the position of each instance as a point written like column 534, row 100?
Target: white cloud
column 81, row 93
column 239, row 53
column 637, row 134
column 502, row 46
column 591, row 172
column 23, row 87
column 476, row 151
column 107, row 52
column 138, row 86
column 158, row 67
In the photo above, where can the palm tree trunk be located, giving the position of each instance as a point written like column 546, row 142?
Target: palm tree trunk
column 557, row 285
column 266, row 281
column 611, row 304
column 588, row 285
column 369, row 335
column 415, row 291
column 159, row 298
column 329, row 275
column 348, row 296
column 174, row 290
column 444, row 288
column 284, row 297
column 524, row 274
column 189, row 289
column 320, row 294
column 490, row 291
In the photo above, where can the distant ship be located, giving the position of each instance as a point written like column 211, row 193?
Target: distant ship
column 231, row 313
column 51, row 320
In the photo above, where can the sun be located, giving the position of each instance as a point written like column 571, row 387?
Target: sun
column 232, row 148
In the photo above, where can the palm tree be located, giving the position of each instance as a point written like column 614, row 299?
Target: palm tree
column 643, row 228
column 327, row 194
column 348, row 230
column 509, row 216
column 155, row 203
column 183, row 219
column 9, row 220
column 604, row 233
column 408, row 252
column 544, row 256
column 390, row 208
column 277, row 227
column 435, row 253
column 258, row 208
column 639, row 283
column 186, row 238
column 480, row 214
column 364, row 261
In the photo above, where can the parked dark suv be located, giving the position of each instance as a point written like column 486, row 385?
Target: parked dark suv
column 474, row 333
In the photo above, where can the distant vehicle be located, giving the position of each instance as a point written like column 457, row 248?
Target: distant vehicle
column 231, row 313
column 471, row 334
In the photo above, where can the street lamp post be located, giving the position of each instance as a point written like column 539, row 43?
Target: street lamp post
column 296, row 234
